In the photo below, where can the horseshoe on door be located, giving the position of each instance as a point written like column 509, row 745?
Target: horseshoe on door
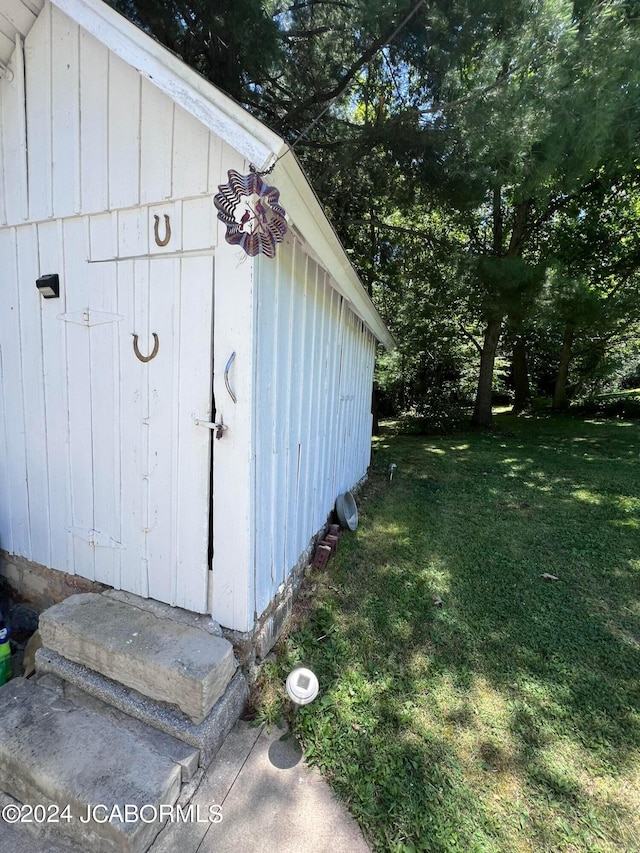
column 167, row 230
column 154, row 351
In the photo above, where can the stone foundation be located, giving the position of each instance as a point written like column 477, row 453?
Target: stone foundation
column 39, row 585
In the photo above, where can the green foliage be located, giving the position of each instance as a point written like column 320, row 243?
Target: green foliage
column 461, row 149
column 506, row 718
column 233, row 44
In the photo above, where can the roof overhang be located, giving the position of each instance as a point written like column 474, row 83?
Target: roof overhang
column 221, row 115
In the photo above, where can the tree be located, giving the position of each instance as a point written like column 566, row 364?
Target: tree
column 559, row 123
column 491, row 117
column 594, row 288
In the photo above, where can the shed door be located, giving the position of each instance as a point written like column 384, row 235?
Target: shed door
column 149, row 507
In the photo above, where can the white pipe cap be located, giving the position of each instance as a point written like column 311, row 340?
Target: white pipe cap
column 302, row 686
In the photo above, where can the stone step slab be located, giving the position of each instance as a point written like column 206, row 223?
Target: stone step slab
column 176, row 750
column 32, row 837
column 207, row 737
column 54, row 753
column 165, row 660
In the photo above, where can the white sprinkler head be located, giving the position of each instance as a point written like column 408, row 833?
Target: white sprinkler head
column 302, row 686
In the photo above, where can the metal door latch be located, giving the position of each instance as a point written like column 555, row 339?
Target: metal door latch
column 218, row 427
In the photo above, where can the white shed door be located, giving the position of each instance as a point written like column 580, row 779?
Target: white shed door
column 146, row 505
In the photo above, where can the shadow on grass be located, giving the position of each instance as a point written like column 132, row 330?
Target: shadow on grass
column 529, row 684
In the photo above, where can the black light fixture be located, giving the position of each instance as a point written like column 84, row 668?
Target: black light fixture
column 49, row 286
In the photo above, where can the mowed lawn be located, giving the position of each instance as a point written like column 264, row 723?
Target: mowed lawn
column 506, row 718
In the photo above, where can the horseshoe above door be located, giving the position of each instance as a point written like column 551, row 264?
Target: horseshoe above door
column 167, row 230
column 154, row 351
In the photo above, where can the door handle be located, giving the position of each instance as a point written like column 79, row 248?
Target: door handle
column 226, row 377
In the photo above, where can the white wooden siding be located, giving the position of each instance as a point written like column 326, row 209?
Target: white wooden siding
column 98, row 448
column 100, row 136
column 104, row 473
column 312, row 409
column 108, row 152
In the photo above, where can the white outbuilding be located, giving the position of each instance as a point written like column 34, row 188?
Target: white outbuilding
column 178, row 412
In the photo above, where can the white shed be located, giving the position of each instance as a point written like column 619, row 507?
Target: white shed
column 111, row 153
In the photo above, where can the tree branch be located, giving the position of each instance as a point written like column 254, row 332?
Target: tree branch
column 470, row 337
column 329, row 95
column 306, row 3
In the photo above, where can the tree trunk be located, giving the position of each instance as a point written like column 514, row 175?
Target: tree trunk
column 482, row 409
column 560, row 399
column 522, row 392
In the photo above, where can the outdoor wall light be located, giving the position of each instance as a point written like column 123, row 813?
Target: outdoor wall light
column 49, row 286
column 302, row 686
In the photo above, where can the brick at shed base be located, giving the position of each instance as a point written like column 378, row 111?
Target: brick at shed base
column 332, row 541
column 323, row 552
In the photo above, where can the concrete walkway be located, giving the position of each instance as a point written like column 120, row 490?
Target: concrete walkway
column 269, row 799
column 257, row 794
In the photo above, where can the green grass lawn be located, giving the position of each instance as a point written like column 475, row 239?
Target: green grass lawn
column 508, row 717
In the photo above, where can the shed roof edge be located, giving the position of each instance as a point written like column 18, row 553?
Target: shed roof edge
column 241, row 130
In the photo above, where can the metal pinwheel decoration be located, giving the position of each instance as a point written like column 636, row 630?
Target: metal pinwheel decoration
column 251, row 211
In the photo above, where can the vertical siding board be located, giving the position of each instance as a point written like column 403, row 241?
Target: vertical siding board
column 233, row 586
column 39, row 109
column 367, row 420
column 190, row 161
column 105, row 418
column 305, row 390
column 364, row 419
column 316, row 415
column 14, row 515
column 132, row 278
column 215, row 173
column 50, row 250
column 156, row 143
column 3, row 191
column 336, row 441
column 163, row 377
column 103, row 238
column 265, row 426
column 94, row 124
column 308, row 419
column 124, row 134
column 344, row 402
column 319, row 409
column 78, row 336
column 355, row 408
column 283, row 378
column 133, row 232
column 194, row 443
column 360, row 414
column 198, row 223
column 35, row 434
column 352, row 412
column 363, row 413
column 65, row 115
column 6, row 535
column 332, row 390
column 15, row 149
column 296, row 392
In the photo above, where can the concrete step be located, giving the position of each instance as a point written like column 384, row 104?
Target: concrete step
column 55, row 753
column 162, row 658
column 79, row 684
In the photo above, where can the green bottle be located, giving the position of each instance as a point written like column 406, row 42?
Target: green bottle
column 5, row 654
